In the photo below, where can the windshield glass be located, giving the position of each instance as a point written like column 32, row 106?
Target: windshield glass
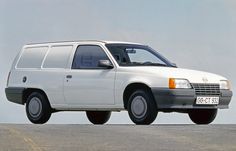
column 136, row 55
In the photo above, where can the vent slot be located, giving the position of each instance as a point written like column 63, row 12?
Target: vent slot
column 202, row 89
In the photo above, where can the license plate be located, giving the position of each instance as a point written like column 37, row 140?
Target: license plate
column 207, row 100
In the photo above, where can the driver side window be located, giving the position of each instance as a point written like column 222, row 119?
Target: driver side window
column 88, row 56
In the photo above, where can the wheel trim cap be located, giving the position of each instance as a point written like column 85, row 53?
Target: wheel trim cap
column 35, row 107
column 139, row 107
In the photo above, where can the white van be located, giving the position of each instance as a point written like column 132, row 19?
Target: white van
column 103, row 76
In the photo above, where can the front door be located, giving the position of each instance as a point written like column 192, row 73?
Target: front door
column 87, row 84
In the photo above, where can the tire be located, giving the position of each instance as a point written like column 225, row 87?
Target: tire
column 98, row 117
column 202, row 116
column 38, row 109
column 142, row 107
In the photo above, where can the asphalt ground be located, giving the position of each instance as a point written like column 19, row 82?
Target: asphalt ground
column 14, row 137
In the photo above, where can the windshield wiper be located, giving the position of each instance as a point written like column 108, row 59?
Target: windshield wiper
column 143, row 64
column 153, row 64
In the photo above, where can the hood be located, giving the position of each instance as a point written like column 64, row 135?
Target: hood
column 193, row 76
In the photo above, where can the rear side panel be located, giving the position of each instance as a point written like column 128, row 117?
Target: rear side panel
column 41, row 67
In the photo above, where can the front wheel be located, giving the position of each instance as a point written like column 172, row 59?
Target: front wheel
column 202, row 116
column 142, row 108
column 98, row 117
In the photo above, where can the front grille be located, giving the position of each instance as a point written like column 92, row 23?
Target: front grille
column 206, row 89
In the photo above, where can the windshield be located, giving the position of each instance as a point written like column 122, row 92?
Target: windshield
column 137, row 55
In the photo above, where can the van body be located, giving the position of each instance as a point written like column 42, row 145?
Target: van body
column 103, row 76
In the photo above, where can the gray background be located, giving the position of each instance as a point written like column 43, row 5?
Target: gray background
column 194, row 34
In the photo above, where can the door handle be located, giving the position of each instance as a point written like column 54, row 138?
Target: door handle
column 69, row 76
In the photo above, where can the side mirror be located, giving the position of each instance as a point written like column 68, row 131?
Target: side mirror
column 105, row 64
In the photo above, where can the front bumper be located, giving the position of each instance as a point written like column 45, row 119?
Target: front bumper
column 186, row 99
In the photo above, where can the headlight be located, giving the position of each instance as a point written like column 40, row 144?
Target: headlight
column 224, row 84
column 179, row 83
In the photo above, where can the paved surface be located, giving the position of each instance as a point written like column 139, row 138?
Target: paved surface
column 117, row 137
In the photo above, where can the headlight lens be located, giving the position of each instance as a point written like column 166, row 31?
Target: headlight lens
column 224, row 84
column 179, row 84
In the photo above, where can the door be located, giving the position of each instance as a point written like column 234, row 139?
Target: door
column 87, row 84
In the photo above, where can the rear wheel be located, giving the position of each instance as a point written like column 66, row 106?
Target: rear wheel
column 98, row 117
column 38, row 109
column 202, row 116
column 141, row 107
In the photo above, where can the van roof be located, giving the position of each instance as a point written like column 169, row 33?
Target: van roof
column 83, row 41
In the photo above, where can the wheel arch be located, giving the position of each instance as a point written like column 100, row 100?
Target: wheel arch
column 28, row 91
column 130, row 88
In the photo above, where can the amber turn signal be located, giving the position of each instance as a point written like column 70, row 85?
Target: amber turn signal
column 172, row 83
